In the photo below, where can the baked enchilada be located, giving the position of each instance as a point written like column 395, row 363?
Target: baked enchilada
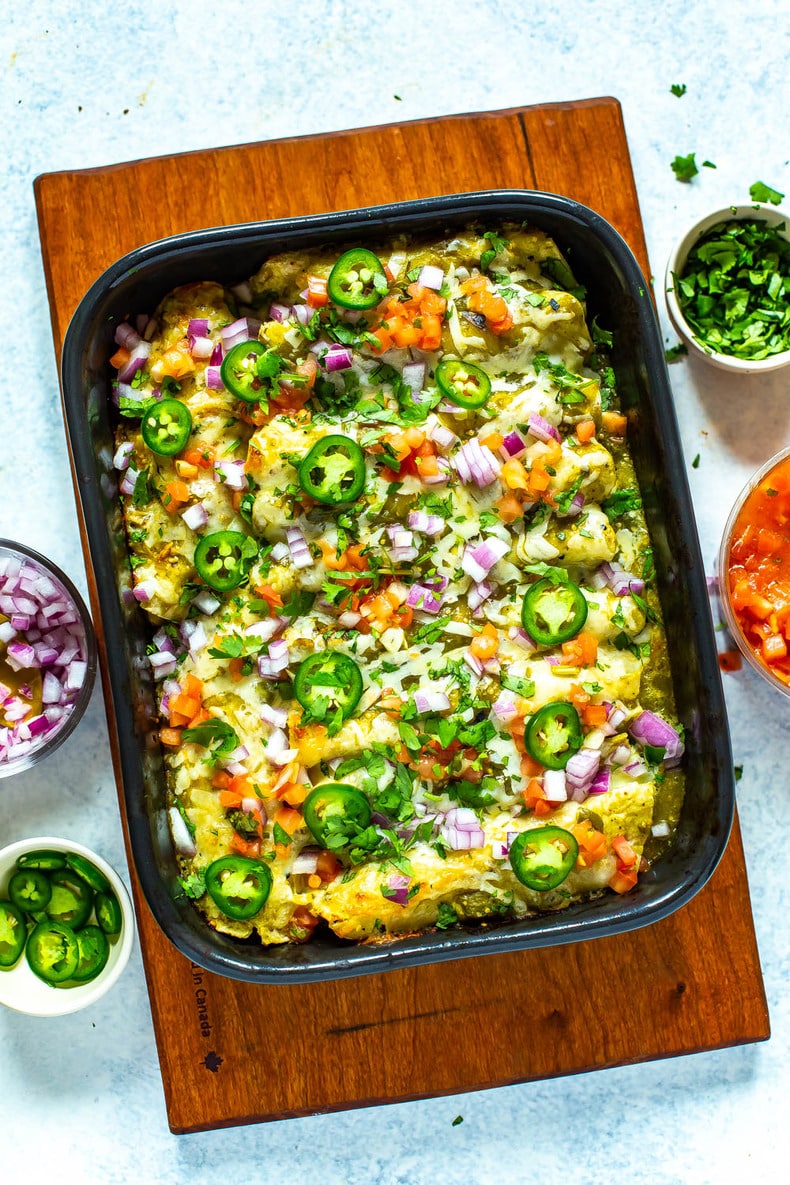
column 383, row 520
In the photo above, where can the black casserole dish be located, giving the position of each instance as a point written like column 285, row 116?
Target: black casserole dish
column 618, row 295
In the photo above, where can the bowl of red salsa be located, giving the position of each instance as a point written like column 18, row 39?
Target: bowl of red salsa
column 754, row 571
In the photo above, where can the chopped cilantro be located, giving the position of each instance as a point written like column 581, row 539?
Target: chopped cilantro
column 738, row 772
column 498, row 244
column 734, row 288
column 695, row 462
column 678, row 89
column 675, row 352
column 447, row 918
column 621, row 502
column 194, row 885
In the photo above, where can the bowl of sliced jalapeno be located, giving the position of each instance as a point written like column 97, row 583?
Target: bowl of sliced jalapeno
column 66, row 926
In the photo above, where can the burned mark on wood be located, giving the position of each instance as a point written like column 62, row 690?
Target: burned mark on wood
column 680, row 988
column 438, row 1013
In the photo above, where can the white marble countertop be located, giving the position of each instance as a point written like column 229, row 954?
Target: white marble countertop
column 85, row 84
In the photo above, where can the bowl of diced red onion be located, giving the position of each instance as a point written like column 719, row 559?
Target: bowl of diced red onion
column 48, row 657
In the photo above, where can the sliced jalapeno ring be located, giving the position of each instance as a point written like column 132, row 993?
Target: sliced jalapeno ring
column 71, row 901
column 94, row 951
column 554, row 734
column 358, row 280
column 47, row 861
column 543, row 857
column 553, row 611
column 238, row 886
column 223, row 559
column 463, row 383
column 88, row 871
column 240, row 373
column 52, row 951
column 30, row 890
column 166, row 427
column 108, row 912
column 335, row 814
column 13, row 933
column 328, row 683
column 333, row 471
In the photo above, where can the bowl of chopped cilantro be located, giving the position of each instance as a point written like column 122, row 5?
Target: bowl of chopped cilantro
column 728, row 288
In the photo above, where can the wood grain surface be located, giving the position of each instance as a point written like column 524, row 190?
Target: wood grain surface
column 689, row 983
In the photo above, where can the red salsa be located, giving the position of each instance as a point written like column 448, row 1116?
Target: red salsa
column 758, row 570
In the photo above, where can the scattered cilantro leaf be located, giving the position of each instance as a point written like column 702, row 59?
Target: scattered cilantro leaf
column 685, row 167
column 678, row 89
column 760, row 192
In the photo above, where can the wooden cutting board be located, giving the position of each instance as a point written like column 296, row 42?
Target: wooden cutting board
column 235, row 1053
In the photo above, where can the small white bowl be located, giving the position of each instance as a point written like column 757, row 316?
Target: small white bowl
column 20, row 988
column 738, row 213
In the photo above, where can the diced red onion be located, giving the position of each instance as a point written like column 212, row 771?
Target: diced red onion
column 513, row 445
column 636, row 769
column 242, row 330
column 478, row 594
column 431, row 277
column 474, row 663
column 135, row 362
column 650, row 729
column 337, row 357
column 348, row 619
column 7, row 631
column 144, row 590
column 427, row 524
column 621, row 582
column 195, row 516
column 413, row 375
column 521, row 638
column 182, row 837
column 461, row 829
column 271, row 665
column 301, row 555
column 126, row 336
column 504, row 707
column 206, row 602
column 582, row 768
column 122, row 455
column 198, row 327
column 129, row 481
column 541, row 428
column 620, row 756
column 574, row 508
column 554, row 785
column 277, row 717
column 20, row 655
column 201, row 347
column 266, row 629
column 214, row 378
column 475, row 463
column 478, row 561
column 431, row 701
column 231, row 474
column 303, row 313
column 601, row 782
column 398, row 888
column 305, row 863
column 279, row 312
column 436, row 431
column 422, row 597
